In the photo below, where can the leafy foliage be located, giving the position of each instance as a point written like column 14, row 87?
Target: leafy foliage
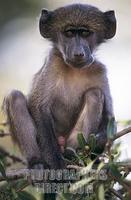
column 98, row 174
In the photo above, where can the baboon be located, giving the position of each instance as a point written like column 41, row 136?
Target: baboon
column 70, row 93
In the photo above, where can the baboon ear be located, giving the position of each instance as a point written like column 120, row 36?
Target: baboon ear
column 45, row 24
column 110, row 23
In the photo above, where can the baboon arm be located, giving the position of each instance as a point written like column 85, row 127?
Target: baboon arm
column 108, row 107
column 47, row 142
column 22, row 126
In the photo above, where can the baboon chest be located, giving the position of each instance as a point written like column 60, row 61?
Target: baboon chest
column 66, row 107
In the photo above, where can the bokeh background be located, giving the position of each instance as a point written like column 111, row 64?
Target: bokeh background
column 22, row 51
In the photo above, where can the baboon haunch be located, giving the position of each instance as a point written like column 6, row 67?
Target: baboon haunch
column 70, row 93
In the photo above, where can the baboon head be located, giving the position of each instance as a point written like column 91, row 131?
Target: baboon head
column 76, row 30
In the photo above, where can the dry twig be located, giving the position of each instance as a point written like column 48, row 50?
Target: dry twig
column 122, row 133
column 13, row 157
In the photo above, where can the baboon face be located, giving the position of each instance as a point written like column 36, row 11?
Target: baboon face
column 76, row 44
column 76, row 30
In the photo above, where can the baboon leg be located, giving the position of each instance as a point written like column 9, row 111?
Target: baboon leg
column 90, row 119
column 95, row 119
column 22, row 126
column 93, row 111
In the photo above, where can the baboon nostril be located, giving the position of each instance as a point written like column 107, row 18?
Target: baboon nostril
column 79, row 55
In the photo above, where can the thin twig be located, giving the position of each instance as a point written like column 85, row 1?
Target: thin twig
column 28, row 174
column 4, row 124
column 73, row 167
column 15, row 174
column 122, row 133
column 117, row 194
column 13, row 157
column 124, row 164
column 3, row 134
column 121, row 182
column 23, row 187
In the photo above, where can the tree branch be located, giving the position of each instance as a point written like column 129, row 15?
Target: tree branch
column 15, row 174
column 13, row 157
column 122, row 133
column 117, row 194
column 3, row 134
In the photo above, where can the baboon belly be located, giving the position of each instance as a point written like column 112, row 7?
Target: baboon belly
column 65, row 117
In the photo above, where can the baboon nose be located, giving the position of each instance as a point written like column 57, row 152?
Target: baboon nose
column 79, row 55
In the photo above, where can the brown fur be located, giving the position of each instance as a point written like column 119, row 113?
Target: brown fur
column 70, row 84
column 70, row 93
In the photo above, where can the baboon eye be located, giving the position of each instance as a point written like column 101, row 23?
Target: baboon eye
column 81, row 32
column 85, row 33
column 70, row 33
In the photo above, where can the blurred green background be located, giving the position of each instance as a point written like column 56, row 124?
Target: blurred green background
column 22, row 49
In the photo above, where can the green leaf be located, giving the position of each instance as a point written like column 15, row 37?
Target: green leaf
column 23, row 195
column 71, row 151
column 116, row 151
column 100, row 166
column 15, row 196
column 92, row 142
column 85, row 170
column 81, row 140
column 128, row 197
column 2, row 169
column 101, row 192
column 114, row 170
column 111, row 128
column 64, row 196
column 74, row 187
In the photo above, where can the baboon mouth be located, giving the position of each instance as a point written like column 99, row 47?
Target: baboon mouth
column 80, row 64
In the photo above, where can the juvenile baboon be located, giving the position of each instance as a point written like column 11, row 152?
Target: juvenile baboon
column 70, row 93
